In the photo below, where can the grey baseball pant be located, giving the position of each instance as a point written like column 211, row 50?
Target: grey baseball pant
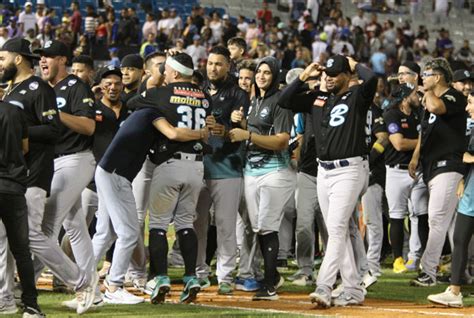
column 441, row 212
column 360, row 255
column 307, row 211
column 117, row 219
column 7, row 266
column 72, row 173
column 225, row 195
column 174, row 193
column 372, row 206
column 141, row 191
column 266, row 196
column 250, row 254
column 338, row 192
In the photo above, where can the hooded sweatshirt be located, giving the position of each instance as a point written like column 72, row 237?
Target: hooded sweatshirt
column 267, row 118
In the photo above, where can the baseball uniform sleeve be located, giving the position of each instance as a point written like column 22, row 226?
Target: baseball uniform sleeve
column 46, row 110
column 82, row 101
column 282, row 120
column 392, row 121
column 378, row 121
column 293, row 92
column 368, row 87
column 454, row 103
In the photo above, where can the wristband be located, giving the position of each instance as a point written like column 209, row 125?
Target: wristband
column 378, row 147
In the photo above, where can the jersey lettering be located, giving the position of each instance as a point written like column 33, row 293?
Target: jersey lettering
column 61, row 101
column 337, row 115
column 192, row 119
column 432, row 118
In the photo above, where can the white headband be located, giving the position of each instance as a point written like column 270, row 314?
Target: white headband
column 179, row 67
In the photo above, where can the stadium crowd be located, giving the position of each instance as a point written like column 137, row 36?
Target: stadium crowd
column 261, row 140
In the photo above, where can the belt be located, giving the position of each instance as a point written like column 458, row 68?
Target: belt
column 187, row 156
column 64, row 154
column 330, row 165
column 401, row 166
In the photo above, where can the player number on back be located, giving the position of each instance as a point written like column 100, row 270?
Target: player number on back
column 191, row 118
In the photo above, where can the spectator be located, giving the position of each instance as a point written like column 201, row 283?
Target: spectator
column 217, row 27
column 378, row 61
column 114, row 59
column 76, row 21
column 176, row 24
column 359, row 20
column 289, row 55
column 90, row 22
column 190, row 30
column 389, row 37
column 40, row 15
column 313, row 7
column 165, row 24
column 242, row 25
column 229, row 31
column 125, row 28
column 149, row 46
column 373, row 28
column 444, row 42
column 3, row 35
column 27, row 19
column 441, row 10
column 112, row 28
column 299, row 60
column 319, row 46
column 197, row 15
column 264, row 15
column 47, row 34
column 52, row 19
column 465, row 54
column 13, row 29
column 344, row 47
column 149, row 26
column 101, row 33
column 196, row 51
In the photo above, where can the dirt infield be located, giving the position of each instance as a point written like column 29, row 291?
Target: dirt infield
column 299, row 303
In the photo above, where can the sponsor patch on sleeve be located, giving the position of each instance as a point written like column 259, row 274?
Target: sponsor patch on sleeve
column 393, row 128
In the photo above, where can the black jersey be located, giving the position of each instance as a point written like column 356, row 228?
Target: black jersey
column 130, row 146
column 38, row 101
column 13, row 169
column 400, row 123
column 183, row 105
column 443, row 137
column 74, row 97
column 376, row 124
column 106, row 126
column 339, row 121
column 307, row 163
column 125, row 97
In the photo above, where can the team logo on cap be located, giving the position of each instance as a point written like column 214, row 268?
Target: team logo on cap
column 48, row 44
column 466, row 73
column 33, row 86
column 330, row 63
column 72, row 82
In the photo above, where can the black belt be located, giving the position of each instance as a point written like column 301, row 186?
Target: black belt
column 187, row 156
column 64, row 154
column 335, row 164
column 401, row 166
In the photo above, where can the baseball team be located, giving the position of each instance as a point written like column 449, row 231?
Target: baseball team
column 229, row 158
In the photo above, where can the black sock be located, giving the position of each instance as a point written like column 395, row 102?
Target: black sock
column 188, row 245
column 269, row 246
column 396, row 237
column 423, row 230
column 158, row 247
column 211, row 244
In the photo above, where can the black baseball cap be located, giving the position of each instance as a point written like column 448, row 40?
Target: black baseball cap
column 20, row 46
column 53, row 48
column 462, row 75
column 132, row 60
column 412, row 66
column 336, row 65
column 109, row 70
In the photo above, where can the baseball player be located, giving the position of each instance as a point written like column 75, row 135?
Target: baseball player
column 249, row 273
column 440, row 148
column 463, row 229
column 222, row 173
column 267, row 179
column 339, row 122
column 132, row 71
column 141, row 184
column 402, row 124
column 38, row 100
column 74, row 164
column 83, row 67
column 409, row 73
column 307, row 206
column 177, row 180
column 13, row 208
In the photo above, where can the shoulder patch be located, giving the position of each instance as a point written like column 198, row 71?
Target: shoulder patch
column 33, row 86
column 451, row 98
column 393, row 128
column 72, row 82
column 205, row 103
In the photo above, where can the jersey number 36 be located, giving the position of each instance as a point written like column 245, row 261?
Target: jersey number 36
column 191, row 118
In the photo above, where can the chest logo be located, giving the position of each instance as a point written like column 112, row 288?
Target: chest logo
column 205, row 103
column 61, row 101
column 22, row 92
column 17, row 103
column 33, row 86
column 338, row 115
column 264, row 113
column 432, row 119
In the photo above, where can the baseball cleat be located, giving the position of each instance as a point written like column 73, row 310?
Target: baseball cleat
column 320, row 298
column 399, row 266
column 266, row 293
column 423, row 280
column 191, row 289
column 344, row 300
column 162, row 287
